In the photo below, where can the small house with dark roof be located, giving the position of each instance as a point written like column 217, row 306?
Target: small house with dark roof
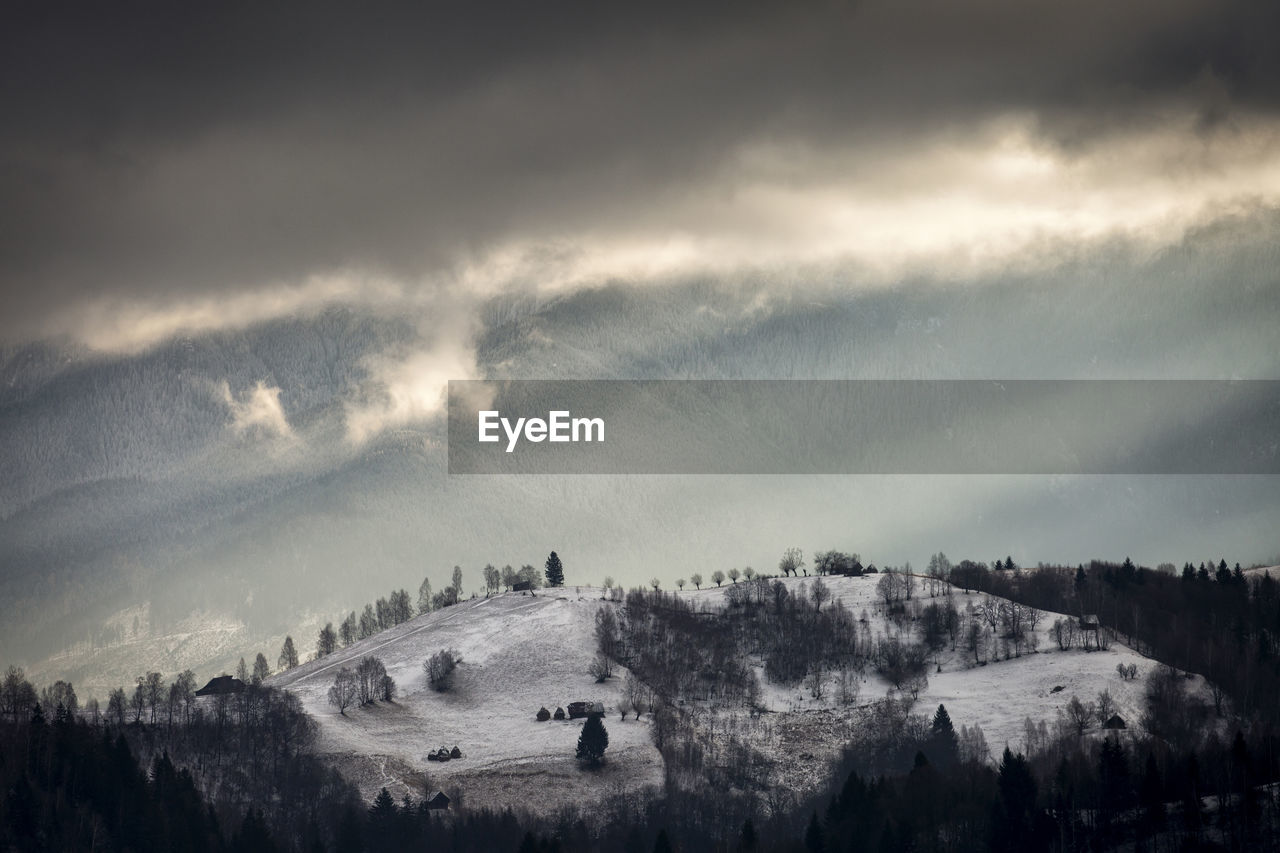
column 221, row 685
column 439, row 801
column 1116, row 722
column 522, row 586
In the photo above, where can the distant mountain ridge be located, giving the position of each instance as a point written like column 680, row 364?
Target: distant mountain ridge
column 126, row 480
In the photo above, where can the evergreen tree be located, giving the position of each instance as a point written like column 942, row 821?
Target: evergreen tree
column 747, row 837
column 555, row 570
column 1013, row 823
column 383, row 806
column 944, row 747
column 593, row 741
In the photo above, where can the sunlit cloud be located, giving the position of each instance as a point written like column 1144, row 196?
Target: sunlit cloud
column 258, row 412
column 958, row 206
column 130, row 325
column 408, row 388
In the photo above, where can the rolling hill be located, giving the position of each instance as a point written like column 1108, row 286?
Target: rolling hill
column 523, row 652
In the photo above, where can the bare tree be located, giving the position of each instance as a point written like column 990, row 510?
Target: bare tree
column 696, row 580
column 492, row 579
column 326, row 642
column 655, row 583
column 847, row 687
column 116, row 706
column 813, row 680
column 734, row 574
column 637, row 695
column 1064, row 632
column 440, row 669
column 138, row 701
column 976, row 640
column 17, row 695
column 369, row 672
column 717, row 577
column 186, row 686
column 792, row 560
column 154, row 688
column 368, row 622
column 424, row 597
column 1079, row 715
column 261, row 670
column 288, row 655
column 819, row 593
column 607, row 632
column 990, row 610
column 680, row 583
column 601, row 668
column 344, row 690
column 973, row 745
column 1104, row 707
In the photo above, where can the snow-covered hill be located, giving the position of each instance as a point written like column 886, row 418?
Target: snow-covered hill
column 519, row 653
column 522, row 652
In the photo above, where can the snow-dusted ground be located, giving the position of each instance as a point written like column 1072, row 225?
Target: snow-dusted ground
column 1000, row 695
column 519, row 653
column 522, row 652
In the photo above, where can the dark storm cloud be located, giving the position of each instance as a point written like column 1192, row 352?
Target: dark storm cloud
column 165, row 153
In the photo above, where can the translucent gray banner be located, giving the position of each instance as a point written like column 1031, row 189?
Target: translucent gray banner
column 864, row 427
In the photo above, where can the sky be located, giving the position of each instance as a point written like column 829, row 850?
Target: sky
column 244, row 247
column 175, row 170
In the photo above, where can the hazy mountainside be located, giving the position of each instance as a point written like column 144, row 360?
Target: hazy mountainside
column 142, row 479
column 521, row 653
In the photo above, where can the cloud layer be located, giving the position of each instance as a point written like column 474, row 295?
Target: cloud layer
column 185, row 170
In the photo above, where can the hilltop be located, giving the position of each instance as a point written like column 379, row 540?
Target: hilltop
column 521, row 652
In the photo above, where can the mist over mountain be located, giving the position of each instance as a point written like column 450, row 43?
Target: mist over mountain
column 219, row 472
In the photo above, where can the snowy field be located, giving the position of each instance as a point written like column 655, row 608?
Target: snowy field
column 521, row 652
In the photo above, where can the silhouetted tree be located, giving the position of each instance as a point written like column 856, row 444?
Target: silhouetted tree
column 327, row 641
column 593, row 741
column 345, row 690
column 288, row 655
column 554, row 570
column 261, row 670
